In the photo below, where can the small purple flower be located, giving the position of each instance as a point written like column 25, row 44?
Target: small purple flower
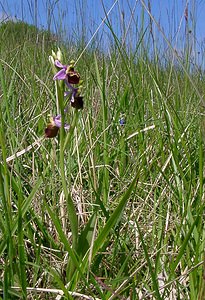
column 66, row 73
column 122, row 122
column 122, row 119
column 53, row 127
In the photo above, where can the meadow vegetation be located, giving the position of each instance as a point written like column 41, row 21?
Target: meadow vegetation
column 115, row 208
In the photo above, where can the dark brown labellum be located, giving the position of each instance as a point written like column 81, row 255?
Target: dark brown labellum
column 77, row 102
column 51, row 131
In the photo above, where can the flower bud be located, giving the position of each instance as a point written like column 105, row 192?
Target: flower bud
column 59, row 55
column 54, row 55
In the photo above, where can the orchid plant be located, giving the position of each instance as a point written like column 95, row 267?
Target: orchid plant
column 68, row 87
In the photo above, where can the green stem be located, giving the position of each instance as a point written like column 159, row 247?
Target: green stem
column 60, row 88
column 71, row 130
column 71, row 208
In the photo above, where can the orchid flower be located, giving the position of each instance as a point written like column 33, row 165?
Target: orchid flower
column 76, row 100
column 53, row 127
column 66, row 73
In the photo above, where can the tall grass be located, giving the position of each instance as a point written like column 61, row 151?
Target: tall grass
column 114, row 208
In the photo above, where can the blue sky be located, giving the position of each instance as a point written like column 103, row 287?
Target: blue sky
column 67, row 15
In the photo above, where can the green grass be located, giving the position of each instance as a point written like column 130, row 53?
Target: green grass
column 106, row 211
